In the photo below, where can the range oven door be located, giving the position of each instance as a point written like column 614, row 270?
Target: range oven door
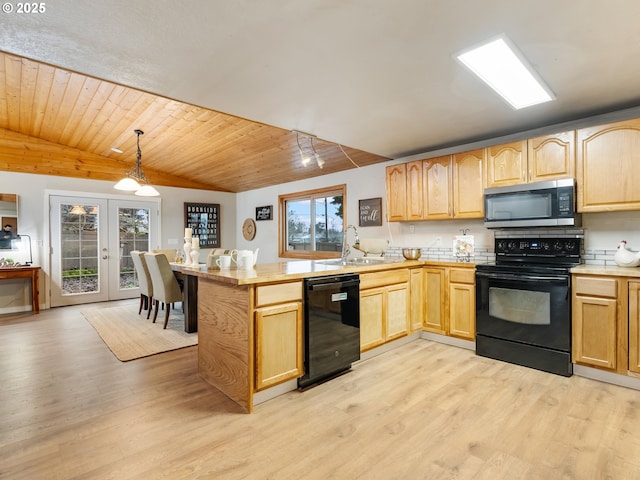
column 532, row 309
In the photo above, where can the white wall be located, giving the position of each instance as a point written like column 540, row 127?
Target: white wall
column 33, row 214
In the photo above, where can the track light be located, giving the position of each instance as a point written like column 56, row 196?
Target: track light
column 304, row 158
column 319, row 160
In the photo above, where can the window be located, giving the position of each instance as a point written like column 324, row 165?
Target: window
column 311, row 223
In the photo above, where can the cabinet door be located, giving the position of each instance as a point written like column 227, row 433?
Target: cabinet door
column 634, row 326
column 372, row 328
column 415, row 195
column 396, row 192
column 416, row 296
column 434, row 290
column 468, row 184
column 595, row 331
column 608, row 167
column 462, row 311
column 551, row 157
column 397, row 308
column 436, row 175
column 278, row 344
column 506, row 164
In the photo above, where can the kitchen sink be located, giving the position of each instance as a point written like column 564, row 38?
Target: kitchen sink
column 360, row 261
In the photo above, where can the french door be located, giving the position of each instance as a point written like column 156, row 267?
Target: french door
column 91, row 241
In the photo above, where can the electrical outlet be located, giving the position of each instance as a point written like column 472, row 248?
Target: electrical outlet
column 412, row 229
column 438, row 241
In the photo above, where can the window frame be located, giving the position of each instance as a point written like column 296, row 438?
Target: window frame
column 283, row 220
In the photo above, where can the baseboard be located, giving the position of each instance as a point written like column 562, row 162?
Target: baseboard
column 455, row 342
column 607, row 377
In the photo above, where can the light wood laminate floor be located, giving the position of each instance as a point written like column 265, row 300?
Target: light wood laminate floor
column 70, row 410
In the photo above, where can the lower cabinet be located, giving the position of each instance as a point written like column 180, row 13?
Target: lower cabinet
column 634, row 326
column 278, row 324
column 384, row 307
column 450, row 299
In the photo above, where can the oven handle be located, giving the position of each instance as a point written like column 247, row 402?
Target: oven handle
column 524, row 277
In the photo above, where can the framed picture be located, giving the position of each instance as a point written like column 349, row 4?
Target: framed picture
column 204, row 221
column 264, row 213
column 370, row 212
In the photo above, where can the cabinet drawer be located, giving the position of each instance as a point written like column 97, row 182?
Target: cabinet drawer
column 379, row 279
column 462, row 275
column 596, row 286
column 278, row 293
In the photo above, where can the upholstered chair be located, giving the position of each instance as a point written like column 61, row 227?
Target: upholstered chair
column 144, row 281
column 166, row 288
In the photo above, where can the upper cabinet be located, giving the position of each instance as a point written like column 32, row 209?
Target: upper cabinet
column 549, row 157
column 396, row 192
column 608, row 167
column 438, row 188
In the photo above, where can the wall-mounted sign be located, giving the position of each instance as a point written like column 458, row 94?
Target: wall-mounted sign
column 370, row 212
column 264, row 213
column 204, row 221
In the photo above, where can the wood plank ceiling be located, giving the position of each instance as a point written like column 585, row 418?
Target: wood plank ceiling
column 57, row 122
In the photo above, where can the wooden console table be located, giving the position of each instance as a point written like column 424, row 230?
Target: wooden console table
column 26, row 272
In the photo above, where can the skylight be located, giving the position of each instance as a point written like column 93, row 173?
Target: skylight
column 498, row 65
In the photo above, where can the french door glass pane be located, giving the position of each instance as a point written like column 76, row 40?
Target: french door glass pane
column 133, row 228
column 80, row 249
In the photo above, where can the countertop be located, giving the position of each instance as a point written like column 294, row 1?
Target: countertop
column 300, row 269
column 612, row 271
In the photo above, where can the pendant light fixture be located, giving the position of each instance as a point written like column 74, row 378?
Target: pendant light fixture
column 319, row 160
column 304, row 158
column 135, row 179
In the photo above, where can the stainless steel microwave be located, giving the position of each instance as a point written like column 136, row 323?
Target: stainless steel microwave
column 540, row 204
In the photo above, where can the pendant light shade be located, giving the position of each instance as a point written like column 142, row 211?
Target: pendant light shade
column 135, row 180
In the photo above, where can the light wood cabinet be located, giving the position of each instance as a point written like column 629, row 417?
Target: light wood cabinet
column 450, row 305
column 416, row 298
column 506, row 164
column 384, row 307
column 548, row 157
column 396, row 179
column 439, row 188
column 551, row 157
column 462, row 303
column 278, row 333
column 414, row 186
column 468, row 184
column 437, row 181
column 608, row 167
column 435, row 300
column 595, row 321
column 634, row 326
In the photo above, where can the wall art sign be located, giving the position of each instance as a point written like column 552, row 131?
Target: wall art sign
column 370, row 212
column 204, row 221
column 264, row 213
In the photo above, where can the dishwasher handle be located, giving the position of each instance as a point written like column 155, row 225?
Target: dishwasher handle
column 333, row 285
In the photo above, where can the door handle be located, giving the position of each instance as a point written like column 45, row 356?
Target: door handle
column 104, row 257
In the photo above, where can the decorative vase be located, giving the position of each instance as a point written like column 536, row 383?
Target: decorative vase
column 195, row 256
column 187, row 251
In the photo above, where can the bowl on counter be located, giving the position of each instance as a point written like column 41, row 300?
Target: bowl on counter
column 411, row 253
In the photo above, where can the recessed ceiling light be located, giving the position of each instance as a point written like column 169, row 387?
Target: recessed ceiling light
column 504, row 69
column 117, row 150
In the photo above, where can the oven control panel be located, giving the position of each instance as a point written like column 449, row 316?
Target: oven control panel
column 542, row 247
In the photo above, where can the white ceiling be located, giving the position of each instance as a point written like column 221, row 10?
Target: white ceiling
column 376, row 75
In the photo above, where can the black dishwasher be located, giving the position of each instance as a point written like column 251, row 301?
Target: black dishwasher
column 331, row 327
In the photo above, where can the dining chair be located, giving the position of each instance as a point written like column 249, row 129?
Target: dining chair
column 144, row 281
column 166, row 288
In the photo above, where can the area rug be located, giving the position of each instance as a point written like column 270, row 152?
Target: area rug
column 130, row 336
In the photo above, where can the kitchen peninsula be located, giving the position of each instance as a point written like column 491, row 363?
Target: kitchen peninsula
column 250, row 321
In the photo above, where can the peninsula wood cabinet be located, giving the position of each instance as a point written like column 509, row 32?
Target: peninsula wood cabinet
column 278, row 334
column 384, row 307
column 548, row 157
column 608, row 167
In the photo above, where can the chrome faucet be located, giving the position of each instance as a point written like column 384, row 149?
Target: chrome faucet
column 345, row 246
